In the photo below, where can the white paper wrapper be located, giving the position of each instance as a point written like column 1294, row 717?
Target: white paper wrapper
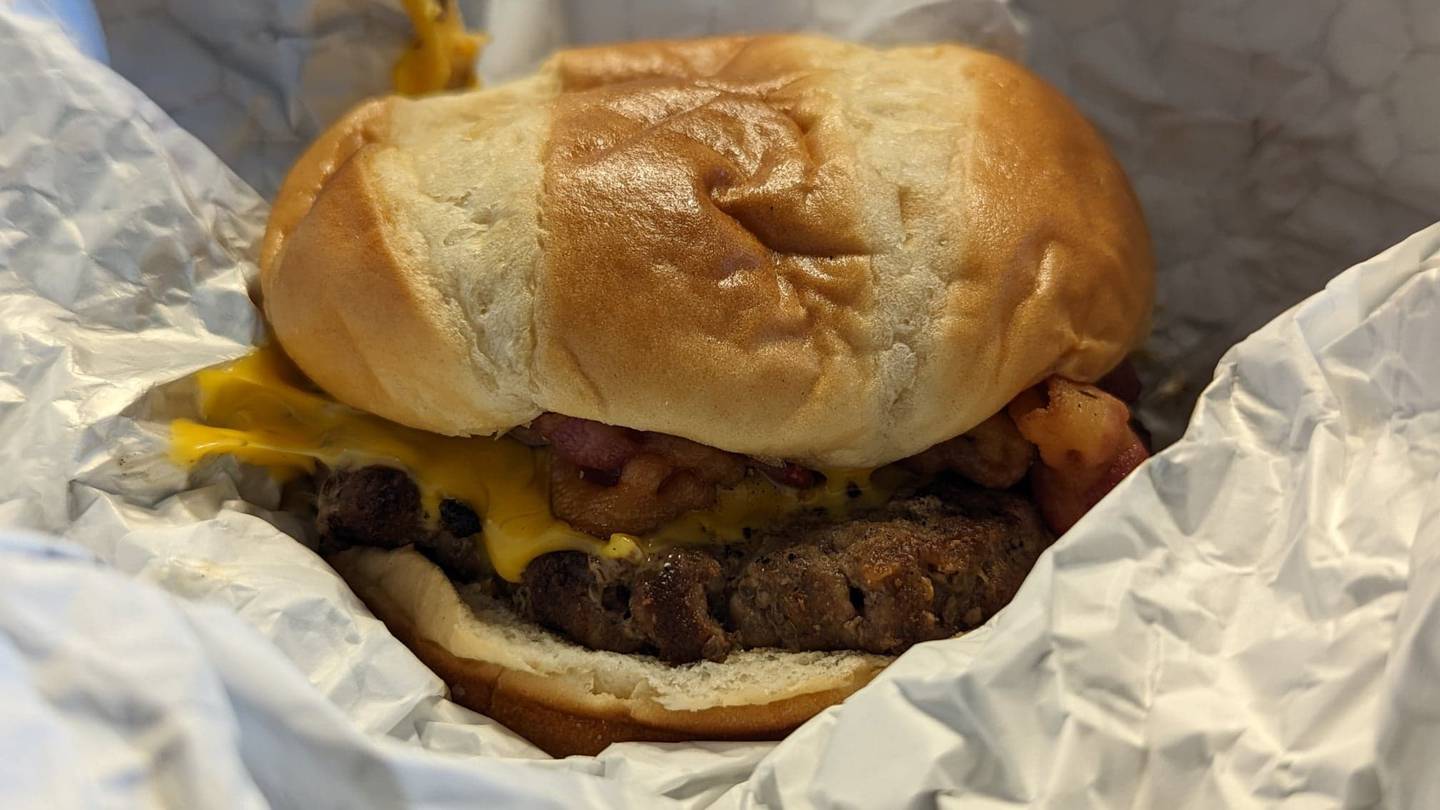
column 1249, row 620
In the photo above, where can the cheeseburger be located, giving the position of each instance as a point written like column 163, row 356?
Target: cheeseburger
column 670, row 392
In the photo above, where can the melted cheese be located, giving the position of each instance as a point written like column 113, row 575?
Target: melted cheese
column 261, row 410
column 443, row 54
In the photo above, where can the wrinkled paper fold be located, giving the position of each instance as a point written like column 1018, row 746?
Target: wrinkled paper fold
column 1248, row 620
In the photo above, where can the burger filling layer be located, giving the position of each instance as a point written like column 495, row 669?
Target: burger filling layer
column 640, row 542
column 923, row 566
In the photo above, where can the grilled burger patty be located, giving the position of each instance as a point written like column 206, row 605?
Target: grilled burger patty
column 924, row 566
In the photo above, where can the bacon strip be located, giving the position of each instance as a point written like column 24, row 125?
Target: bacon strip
column 584, row 443
column 606, row 479
column 1085, row 442
column 649, row 492
column 788, row 474
column 992, row 454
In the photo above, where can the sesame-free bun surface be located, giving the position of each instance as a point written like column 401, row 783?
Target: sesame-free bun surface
column 784, row 246
column 571, row 700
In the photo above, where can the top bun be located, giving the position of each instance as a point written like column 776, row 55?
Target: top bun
column 783, row 246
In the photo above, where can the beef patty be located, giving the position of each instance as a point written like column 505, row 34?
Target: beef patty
column 925, row 566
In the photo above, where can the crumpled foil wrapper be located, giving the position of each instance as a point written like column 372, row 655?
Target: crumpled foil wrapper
column 1248, row 621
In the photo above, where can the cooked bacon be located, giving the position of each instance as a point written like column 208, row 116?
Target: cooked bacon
column 660, row 478
column 1085, row 442
column 992, row 454
column 711, row 465
column 586, row 443
column 607, row 479
column 788, row 474
column 649, row 493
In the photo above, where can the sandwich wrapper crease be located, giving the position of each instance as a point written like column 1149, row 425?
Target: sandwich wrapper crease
column 1249, row 620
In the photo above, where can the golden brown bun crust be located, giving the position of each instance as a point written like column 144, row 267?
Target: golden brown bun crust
column 569, row 700
column 783, row 246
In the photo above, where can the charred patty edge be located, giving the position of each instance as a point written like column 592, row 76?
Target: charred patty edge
column 925, row 566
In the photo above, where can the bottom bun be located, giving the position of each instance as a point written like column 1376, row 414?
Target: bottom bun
column 569, row 699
